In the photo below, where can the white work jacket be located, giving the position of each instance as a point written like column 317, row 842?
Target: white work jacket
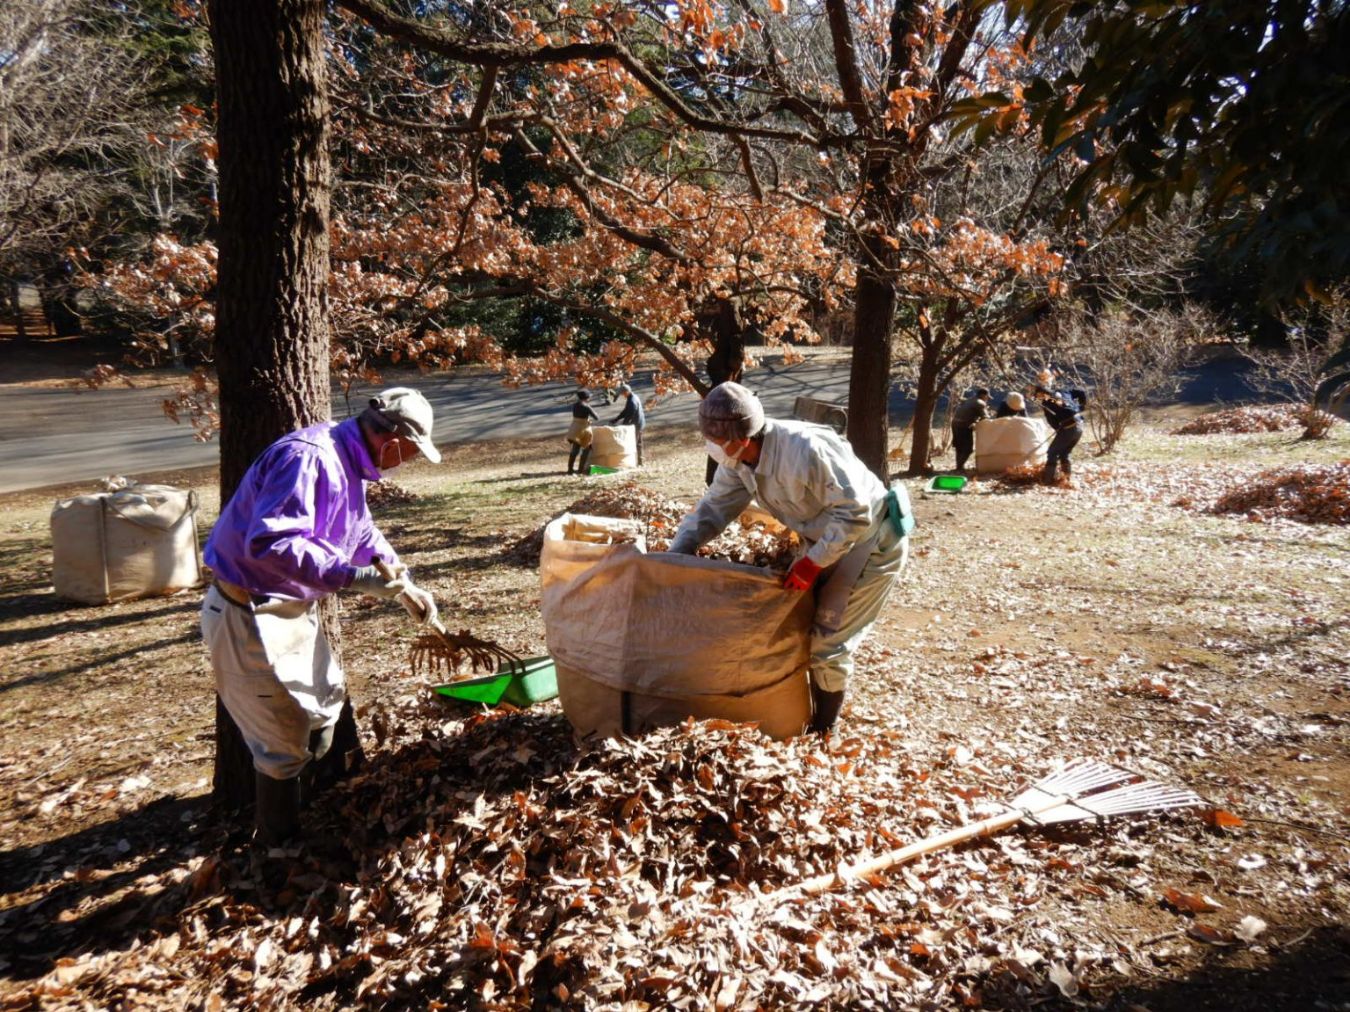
column 807, row 477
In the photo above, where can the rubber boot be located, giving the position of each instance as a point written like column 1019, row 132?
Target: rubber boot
column 572, row 459
column 1048, row 475
column 825, row 708
column 312, row 778
column 276, row 809
column 585, row 467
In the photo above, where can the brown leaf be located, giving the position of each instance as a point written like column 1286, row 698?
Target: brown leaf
column 1194, row 903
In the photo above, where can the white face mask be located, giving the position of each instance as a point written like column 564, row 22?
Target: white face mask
column 720, row 455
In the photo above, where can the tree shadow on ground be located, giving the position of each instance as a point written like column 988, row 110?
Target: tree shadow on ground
column 108, row 886
column 97, row 661
column 89, row 619
column 1310, row 972
column 87, row 894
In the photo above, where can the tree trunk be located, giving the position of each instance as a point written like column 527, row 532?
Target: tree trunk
column 925, row 404
column 16, row 299
column 725, row 326
column 869, row 384
column 271, row 343
column 57, row 295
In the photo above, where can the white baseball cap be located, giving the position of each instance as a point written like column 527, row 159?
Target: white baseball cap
column 409, row 414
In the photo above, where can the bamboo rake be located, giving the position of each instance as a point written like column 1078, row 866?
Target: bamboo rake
column 1082, row 789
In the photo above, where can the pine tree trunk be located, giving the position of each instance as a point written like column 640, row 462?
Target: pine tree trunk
column 271, row 344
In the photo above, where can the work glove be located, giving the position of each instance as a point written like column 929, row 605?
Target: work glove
column 418, row 603
column 802, row 575
column 369, row 581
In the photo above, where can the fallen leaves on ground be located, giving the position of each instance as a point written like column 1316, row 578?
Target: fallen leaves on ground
column 492, row 860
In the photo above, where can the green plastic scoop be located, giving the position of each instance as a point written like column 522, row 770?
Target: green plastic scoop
column 946, row 484
column 532, row 681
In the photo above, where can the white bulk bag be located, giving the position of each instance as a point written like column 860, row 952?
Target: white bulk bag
column 1001, row 443
column 645, row 640
column 614, row 446
column 136, row 542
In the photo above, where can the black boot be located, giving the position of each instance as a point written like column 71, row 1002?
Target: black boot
column 826, row 707
column 315, row 777
column 585, row 467
column 572, row 459
column 1048, row 475
column 276, row 809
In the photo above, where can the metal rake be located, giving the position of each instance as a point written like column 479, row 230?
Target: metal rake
column 1081, row 789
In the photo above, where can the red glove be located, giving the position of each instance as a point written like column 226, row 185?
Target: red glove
column 802, row 574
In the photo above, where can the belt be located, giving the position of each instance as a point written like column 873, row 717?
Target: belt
column 234, row 593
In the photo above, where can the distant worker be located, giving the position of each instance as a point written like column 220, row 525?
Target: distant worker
column 580, row 434
column 808, row 477
column 968, row 412
column 296, row 530
column 1064, row 413
column 632, row 414
column 1012, row 406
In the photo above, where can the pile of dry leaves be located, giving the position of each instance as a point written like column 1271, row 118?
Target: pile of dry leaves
column 754, row 539
column 1030, row 474
column 490, row 862
column 1235, row 421
column 388, row 493
column 1309, row 493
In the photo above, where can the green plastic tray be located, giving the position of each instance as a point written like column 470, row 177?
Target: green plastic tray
column 946, row 484
column 598, row 469
column 533, row 682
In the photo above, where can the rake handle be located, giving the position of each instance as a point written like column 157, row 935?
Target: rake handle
column 847, row 873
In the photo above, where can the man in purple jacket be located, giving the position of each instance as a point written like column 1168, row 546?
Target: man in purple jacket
column 296, row 530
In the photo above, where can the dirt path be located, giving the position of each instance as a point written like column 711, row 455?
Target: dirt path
column 1034, row 625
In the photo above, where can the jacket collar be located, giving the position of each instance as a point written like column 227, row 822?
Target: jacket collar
column 355, row 454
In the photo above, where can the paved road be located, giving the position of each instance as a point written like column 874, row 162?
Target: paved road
column 50, row 436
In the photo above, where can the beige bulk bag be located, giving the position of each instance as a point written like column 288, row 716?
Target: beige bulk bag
column 614, row 446
column 1001, row 443
column 645, row 640
column 136, row 542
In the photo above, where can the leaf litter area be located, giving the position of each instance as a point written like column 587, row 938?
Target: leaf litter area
column 487, row 860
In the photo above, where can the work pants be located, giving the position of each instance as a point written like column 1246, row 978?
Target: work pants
column 832, row 650
column 1060, row 447
column 276, row 676
column 585, row 459
column 963, row 441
